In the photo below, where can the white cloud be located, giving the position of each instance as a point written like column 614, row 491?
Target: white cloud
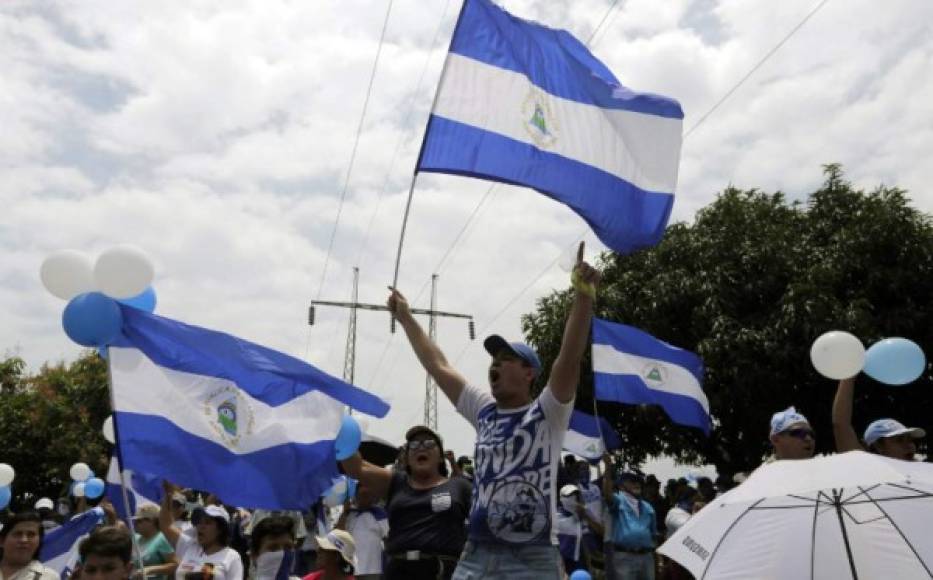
column 217, row 135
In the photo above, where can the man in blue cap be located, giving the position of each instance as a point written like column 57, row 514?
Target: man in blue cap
column 884, row 436
column 791, row 435
column 512, row 529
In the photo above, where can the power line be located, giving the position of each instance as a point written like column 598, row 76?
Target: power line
column 356, row 142
column 764, row 59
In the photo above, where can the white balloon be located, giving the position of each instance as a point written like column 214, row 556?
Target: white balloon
column 123, row 272
column 78, row 489
column 837, row 355
column 6, row 474
column 67, row 273
column 80, row 472
column 108, row 429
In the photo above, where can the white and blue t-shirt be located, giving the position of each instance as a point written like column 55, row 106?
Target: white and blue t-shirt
column 515, row 463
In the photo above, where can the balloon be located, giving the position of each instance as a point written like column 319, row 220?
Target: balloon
column 145, row 301
column 79, row 472
column 348, row 438
column 94, row 488
column 108, row 430
column 67, row 273
column 6, row 474
column 123, row 272
column 92, row 319
column 77, row 489
column 837, row 355
column 5, row 496
column 580, row 575
column 895, row 361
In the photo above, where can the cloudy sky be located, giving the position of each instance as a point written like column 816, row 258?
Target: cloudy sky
column 217, row 136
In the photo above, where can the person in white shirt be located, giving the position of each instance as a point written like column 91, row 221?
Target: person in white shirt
column 369, row 525
column 20, row 540
column 203, row 552
column 512, row 523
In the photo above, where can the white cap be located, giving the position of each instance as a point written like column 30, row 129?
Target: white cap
column 890, row 428
column 339, row 541
column 214, row 511
column 782, row 420
column 44, row 503
column 568, row 489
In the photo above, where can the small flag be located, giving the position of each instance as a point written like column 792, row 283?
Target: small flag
column 528, row 105
column 140, row 489
column 590, row 437
column 60, row 546
column 631, row 366
column 210, row 411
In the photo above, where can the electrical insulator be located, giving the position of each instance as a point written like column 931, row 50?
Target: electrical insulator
column 472, row 329
column 311, row 315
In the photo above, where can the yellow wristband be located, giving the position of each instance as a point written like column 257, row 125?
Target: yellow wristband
column 582, row 287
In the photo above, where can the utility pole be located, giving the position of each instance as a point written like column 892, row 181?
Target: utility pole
column 349, row 364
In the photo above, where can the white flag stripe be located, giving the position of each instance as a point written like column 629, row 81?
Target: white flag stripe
column 640, row 148
column 189, row 401
column 588, row 447
column 680, row 381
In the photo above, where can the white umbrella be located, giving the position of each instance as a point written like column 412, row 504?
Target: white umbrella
column 854, row 515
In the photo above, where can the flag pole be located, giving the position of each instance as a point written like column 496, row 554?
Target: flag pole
column 137, row 552
column 414, row 177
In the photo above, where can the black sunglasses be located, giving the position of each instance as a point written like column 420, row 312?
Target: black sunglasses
column 423, row 444
column 801, row 433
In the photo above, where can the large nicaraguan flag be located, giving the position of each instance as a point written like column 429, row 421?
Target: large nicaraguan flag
column 210, row 411
column 60, row 546
column 528, row 105
column 631, row 366
column 590, row 437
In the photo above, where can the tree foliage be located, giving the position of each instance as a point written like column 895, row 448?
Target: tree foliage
column 50, row 420
column 749, row 286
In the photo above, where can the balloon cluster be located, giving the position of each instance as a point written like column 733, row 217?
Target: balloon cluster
column 894, row 361
column 6, row 478
column 121, row 274
column 85, row 484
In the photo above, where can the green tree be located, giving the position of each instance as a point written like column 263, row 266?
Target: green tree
column 749, row 286
column 50, row 420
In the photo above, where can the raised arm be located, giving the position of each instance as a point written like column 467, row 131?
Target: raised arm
column 372, row 476
column 428, row 353
column 846, row 437
column 565, row 372
column 166, row 518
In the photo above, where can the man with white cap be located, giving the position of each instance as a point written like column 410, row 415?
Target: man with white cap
column 791, row 435
column 885, row 436
column 512, row 529
column 336, row 556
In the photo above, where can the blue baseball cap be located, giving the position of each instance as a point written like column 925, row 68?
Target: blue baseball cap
column 782, row 420
column 495, row 343
column 890, row 428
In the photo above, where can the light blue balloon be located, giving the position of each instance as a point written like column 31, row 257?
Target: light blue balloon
column 580, row 575
column 348, row 438
column 92, row 319
column 895, row 361
column 94, row 488
column 145, row 301
column 5, row 496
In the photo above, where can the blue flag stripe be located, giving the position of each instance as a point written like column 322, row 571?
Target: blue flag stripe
column 631, row 340
column 552, row 59
column 632, row 390
column 267, row 375
column 60, row 540
column 623, row 217
column 150, row 444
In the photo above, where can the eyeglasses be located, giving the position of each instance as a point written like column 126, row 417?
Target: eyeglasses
column 423, row 444
column 801, row 433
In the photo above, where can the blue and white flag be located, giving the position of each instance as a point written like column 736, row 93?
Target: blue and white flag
column 528, row 105
column 631, row 366
column 210, row 411
column 140, row 489
column 590, row 437
column 60, row 546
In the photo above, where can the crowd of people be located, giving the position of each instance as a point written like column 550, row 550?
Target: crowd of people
column 516, row 510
